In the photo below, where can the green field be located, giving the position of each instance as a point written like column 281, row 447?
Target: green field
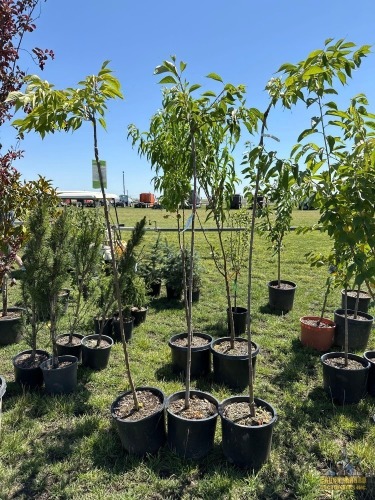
column 66, row 447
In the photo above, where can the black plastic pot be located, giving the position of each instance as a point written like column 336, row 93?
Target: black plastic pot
column 358, row 329
column 61, row 380
column 11, row 328
column 230, row 370
column 155, row 289
column 139, row 315
column 370, row 357
column 70, row 350
column 363, row 303
column 281, row 299
column 3, row 387
column 108, row 327
column 142, row 436
column 172, row 293
column 191, row 438
column 93, row 357
column 29, row 377
column 246, row 446
column 239, row 319
column 128, row 328
column 342, row 385
column 200, row 356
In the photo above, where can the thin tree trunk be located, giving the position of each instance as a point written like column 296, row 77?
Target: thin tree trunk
column 114, row 269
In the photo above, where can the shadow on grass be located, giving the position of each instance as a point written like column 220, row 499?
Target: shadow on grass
column 302, row 361
column 266, row 309
column 162, row 304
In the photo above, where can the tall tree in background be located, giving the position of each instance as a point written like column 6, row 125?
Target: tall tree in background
column 17, row 18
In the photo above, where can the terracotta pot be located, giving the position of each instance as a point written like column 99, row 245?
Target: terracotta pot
column 317, row 337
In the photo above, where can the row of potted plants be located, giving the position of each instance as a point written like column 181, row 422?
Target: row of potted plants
column 210, row 126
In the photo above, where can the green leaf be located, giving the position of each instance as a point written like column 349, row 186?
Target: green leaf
column 194, row 87
column 182, row 66
column 331, row 142
column 305, row 133
column 160, row 69
column 215, row 76
column 342, row 77
column 314, row 70
column 209, row 93
column 168, row 79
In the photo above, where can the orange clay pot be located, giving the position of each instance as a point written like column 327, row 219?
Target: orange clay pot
column 317, row 337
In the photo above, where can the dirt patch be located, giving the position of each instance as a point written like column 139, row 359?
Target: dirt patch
column 149, row 404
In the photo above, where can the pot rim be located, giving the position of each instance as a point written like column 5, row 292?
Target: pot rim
column 196, row 348
column 77, row 335
column 65, row 357
column 254, row 352
column 366, row 316
column 154, row 390
column 29, row 351
column 371, row 359
column 94, row 336
column 194, row 392
column 3, row 386
column 286, row 282
column 242, row 310
column 361, row 291
column 239, row 399
column 326, row 321
column 337, row 354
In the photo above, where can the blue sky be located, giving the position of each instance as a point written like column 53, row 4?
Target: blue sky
column 242, row 40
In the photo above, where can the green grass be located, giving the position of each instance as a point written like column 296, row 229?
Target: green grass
column 65, row 447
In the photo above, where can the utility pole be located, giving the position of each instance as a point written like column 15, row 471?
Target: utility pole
column 123, row 181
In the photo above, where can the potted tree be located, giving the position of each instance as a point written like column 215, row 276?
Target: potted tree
column 186, row 120
column 67, row 110
column 343, row 188
column 16, row 199
column 278, row 217
column 317, row 331
column 59, row 372
column 16, row 196
column 239, row 223
column 96, row 348
column 140, row 301
column 86, row 243
column 27, row 363
column 247, row 422
column 150, row 268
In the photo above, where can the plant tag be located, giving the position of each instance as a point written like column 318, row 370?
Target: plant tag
column 188, row 223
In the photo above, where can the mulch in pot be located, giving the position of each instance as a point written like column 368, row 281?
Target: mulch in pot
column 26, row 361
column 240, row 348
column 198, row 408
column 149, row 404
column 315, row 323
column 239, row 413
column 340, row 363
column 195, row 342
column 92, row 344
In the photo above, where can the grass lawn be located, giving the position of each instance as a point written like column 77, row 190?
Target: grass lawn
column 65, row 447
